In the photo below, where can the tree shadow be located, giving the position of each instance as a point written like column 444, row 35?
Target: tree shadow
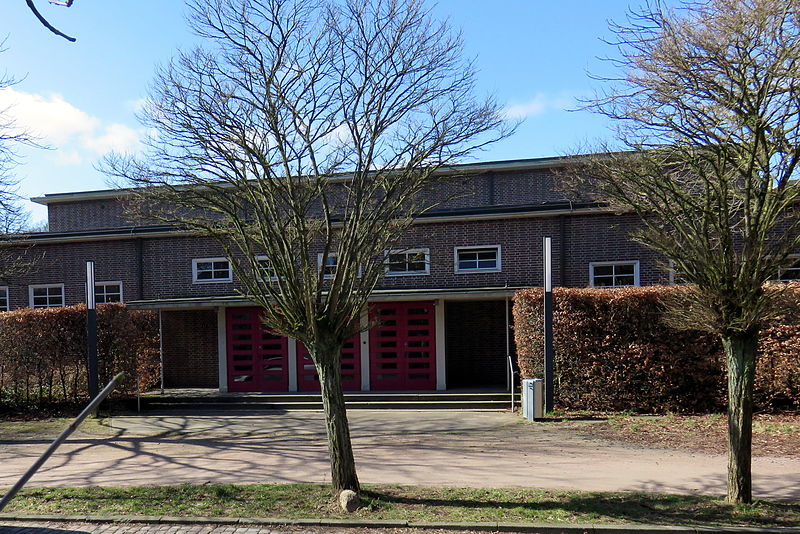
column 27, row 529
column 634, row 508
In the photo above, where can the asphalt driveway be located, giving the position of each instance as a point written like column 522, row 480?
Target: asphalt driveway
column 446, row 448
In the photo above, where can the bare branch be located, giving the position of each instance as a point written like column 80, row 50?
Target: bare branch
column 304, row 135
column 708, row 102
column 44, row 21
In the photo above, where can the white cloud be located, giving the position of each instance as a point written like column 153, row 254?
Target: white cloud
column 115, row 137
column 136, row 105
column 538, row 105
column 74, row 134
column 50, row 118
column 68, row 157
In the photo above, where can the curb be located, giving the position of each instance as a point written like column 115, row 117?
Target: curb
column 542, row 528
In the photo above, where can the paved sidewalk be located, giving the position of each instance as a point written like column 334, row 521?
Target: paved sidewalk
column 249, row 526
column 128, row 528
column 452, row 448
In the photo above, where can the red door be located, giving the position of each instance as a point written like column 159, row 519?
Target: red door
column 308, row 379
column 257, row 359
column 402, row 346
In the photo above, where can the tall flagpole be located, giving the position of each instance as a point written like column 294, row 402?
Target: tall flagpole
column 91, row 333
column 548, row 323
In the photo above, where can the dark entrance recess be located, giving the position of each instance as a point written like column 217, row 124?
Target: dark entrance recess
column 475, row 338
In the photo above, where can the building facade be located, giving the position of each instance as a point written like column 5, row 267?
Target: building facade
column 442, row 310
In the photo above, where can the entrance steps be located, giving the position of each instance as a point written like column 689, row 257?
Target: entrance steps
column 214, row 400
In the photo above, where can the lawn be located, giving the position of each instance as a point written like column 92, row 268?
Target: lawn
column 773, row 434
column 406, row 503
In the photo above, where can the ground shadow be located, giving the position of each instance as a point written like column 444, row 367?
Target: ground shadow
column 637, row 508
column 26, row 529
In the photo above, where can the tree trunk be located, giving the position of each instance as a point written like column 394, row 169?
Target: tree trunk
column 343, row 465
column 740, row 352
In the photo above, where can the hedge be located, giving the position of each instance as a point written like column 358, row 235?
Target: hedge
column 43, row 354
column 614, row 352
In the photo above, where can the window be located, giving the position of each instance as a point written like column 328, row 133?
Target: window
column 46, row 296
column 210, row 270
column 407, row 262
column 105, row 292
column 5, row 305
column 329, row 269
column 614, row 273
column 477, row 259
column 265, row 270
column 790, row 273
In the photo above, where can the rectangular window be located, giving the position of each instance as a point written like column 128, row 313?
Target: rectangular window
column 105, row 292
column 46, row 296
column 5, row 305
column 790, row 273
column 211, row 270
column 477, row 259
column 408, row 262
column 614, row 273
column 329, row 268
column 676, row 277
column 265, row 270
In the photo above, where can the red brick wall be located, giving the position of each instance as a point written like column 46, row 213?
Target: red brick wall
column 115, row 261
column 190, row 348
column 166, row 271
column 467, row 191
column 86, row 215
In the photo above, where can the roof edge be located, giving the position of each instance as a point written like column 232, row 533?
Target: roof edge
column 488, row 166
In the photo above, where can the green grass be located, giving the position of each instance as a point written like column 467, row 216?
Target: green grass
column 49, row 428
column 406, row 503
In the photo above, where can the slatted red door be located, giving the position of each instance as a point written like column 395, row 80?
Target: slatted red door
column 257, row 359
column 308, row 379
column 403, row 346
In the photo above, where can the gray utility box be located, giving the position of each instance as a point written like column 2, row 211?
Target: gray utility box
column 533, row 399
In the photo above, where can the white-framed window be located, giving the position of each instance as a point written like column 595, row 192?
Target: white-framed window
column 676, row 277
column 46, row 295
column 5, row 304
column 106, row 292
column 790, row 273
column 614, row 273
column 211, row 270
column 408, row 262
column 265, row 271
column 329, row 268
column 483, row 259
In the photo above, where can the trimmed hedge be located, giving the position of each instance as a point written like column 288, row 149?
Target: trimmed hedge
column 614, row 352
column 43, row 354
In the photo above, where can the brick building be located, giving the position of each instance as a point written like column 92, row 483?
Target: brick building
column 444, row 303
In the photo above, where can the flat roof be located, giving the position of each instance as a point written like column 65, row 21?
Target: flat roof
column 488, row 166
column 466, row 293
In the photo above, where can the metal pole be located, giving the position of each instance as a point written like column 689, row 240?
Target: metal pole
column 161, row 349
column 91, row 333
column 508, row 358
column 548, row 324
column 59, row 440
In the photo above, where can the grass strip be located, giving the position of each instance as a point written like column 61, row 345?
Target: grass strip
column 411, row 503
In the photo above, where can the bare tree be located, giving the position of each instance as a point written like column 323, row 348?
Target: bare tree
column 709, row 102
column 303, row 138
column 12, row 216
column 45, row 22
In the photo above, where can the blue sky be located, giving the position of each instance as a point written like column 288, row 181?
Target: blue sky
column 533, row 55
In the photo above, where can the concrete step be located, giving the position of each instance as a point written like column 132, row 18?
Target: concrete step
column 356, row 401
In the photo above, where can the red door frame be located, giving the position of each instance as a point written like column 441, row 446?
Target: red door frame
column 403, row 346
column 307, row 378
column 258, row 360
